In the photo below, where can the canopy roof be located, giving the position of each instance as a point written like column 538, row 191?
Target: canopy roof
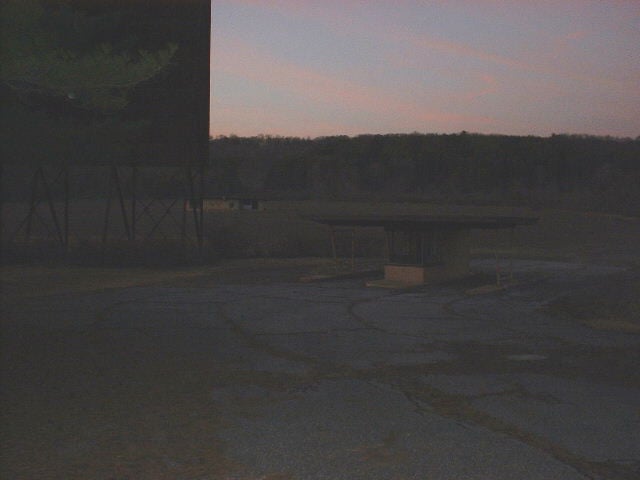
column 423, row 222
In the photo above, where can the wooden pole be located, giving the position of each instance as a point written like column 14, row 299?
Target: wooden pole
column 107, row 213
column 387, row 245
column 334, row 250
column 201, row 206
column 134, row 200
column 193, row 204
column 66, row 207
column 353, row 249
column 511, row 253
column 33, row 203
column 123, row 208
column 1, row 212
column 183, row 223
column 52, row 208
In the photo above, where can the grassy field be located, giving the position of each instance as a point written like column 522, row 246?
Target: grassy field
column 281, row 231
column 278, row 243
column 612, row 304
column 559, row 235
column 20, row 282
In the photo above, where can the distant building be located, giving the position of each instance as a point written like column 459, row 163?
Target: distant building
column 224, row 203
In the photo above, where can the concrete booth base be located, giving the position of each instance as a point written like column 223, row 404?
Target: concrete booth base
column 418, row 275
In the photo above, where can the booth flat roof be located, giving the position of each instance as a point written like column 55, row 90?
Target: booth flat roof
column 420, row 221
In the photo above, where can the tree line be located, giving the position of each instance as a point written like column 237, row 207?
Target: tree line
column 604, row 172
column 569, row 171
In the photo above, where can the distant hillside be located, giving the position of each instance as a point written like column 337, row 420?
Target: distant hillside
column 598, row 173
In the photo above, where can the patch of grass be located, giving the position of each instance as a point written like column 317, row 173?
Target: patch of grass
column 281, row 231
column 521, row 253
column 616, row 324
column 31, row 281
column 612, row 305
column 27, row 281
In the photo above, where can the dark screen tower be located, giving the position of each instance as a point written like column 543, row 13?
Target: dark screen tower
column 165, row 126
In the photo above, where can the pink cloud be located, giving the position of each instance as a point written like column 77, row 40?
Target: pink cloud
column 547, row 65
column 555, row 66
column 320, row 89
column 542, row 62
column 454, row 48
column 489, row 86
column 576, row 35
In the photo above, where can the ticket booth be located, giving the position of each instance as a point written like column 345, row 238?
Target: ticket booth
column 425, row 254
column 426, row 248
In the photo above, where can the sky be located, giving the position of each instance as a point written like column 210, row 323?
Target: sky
column 349, row 67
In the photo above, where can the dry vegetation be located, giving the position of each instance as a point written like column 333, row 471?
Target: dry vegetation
column 613, row 304
column 280, row 232
column 560, row 235
column 278, row 242
column 150, row 420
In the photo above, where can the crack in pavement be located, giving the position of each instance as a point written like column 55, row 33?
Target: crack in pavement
column 459, row 408
column 456, row 407
column 469, row 358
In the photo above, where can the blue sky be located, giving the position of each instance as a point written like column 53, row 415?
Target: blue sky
column 315, row 68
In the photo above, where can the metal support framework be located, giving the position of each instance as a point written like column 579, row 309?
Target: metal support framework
column 42, row 184
column 140, row 141
column 159, row 212
column 128, row 213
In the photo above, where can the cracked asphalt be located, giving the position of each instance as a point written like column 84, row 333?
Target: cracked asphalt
column 276, row 379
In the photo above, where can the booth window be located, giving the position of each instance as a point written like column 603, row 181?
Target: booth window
column 413, row 247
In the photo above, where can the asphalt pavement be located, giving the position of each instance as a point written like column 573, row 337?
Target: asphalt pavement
column 329, row 380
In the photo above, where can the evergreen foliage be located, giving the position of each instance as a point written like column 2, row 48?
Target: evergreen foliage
column 50, row 53
column 66, row 76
